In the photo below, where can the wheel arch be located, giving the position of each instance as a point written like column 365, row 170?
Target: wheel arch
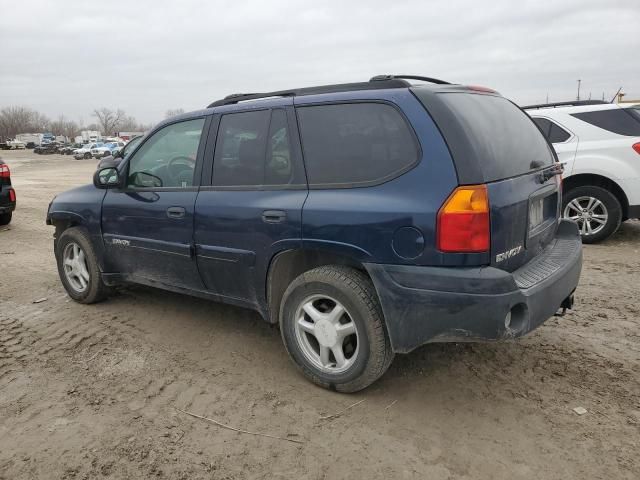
column 591, row 179
column 285, row 266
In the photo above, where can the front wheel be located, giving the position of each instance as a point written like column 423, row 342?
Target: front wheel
column 78, row 267
column 87, row 155
column 333, row 328
column 596, row 211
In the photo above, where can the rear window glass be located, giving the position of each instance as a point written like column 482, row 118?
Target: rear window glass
column 355, row 144
column 552, row 131
column 620, row 121
column 505, row 141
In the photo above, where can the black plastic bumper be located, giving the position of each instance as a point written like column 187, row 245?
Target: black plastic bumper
column 633, row 211
column 439, row 304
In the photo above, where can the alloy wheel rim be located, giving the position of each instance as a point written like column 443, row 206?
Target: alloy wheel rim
column 326, row 334
column 76, row 270
column 589, row 213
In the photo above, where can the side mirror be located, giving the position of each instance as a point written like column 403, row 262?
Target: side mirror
column 117, row 154
column 106, row 178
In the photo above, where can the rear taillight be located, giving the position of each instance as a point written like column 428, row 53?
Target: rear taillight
column 12, row 195
column 4, row 171
column 463, row 221
column 636, row 147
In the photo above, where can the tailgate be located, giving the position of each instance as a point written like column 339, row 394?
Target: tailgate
column 493, row 142
column 524, row 218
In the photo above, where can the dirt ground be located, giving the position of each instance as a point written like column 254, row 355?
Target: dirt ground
column 93, row 391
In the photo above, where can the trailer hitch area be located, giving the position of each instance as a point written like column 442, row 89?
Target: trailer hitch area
column 567, row 304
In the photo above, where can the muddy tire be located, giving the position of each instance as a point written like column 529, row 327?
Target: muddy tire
column 333, row 328
column 78, row 267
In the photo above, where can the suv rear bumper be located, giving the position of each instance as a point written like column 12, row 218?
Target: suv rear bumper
column 6, row 206
column 439, row 304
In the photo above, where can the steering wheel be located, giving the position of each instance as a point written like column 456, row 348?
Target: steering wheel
column 187, row 162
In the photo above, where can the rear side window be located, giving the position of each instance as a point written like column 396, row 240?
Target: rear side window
column 552, row 131
column 505, row 141
column 355, row 144
column 253, row 151
column 619, row 120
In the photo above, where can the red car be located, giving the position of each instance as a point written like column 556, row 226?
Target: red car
column 7, row 194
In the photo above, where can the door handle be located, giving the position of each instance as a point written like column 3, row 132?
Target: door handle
column 274, row 216
column 176, row 212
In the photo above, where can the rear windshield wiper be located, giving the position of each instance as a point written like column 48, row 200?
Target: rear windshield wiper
column 551, row 171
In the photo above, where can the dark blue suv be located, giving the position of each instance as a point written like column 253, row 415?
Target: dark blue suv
column 365, row 219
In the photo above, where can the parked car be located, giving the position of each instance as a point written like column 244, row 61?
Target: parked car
column 106, row 150
column 47, row 148
column 85, row 150
column 599, row 144
column 7, row 194
column 69, row 149
column 421, row 213
column 119, row 153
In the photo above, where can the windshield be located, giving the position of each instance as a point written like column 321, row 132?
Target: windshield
column 129, row 147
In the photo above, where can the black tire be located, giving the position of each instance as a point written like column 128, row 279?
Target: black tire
column 610, row 202
column 87, row 156
column 354, row 290
column 96, row 290
column 5, row 218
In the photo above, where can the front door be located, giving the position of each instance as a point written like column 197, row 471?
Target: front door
column 148, row 224
column 254, row 206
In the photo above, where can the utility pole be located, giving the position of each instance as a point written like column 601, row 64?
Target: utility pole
column 578, row 97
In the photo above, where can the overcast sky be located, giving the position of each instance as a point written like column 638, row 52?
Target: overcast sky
column 148, row 56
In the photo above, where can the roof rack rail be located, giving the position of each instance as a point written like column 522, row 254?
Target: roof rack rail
column 377, row 82
column 379, row 78
column 575, row 103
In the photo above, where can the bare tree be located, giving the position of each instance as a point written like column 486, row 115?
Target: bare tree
column 128, row 124
column 18, row 119
column 65, row 127
column 108, row 119
column 172, row 112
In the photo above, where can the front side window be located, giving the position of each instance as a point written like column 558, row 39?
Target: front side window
column 253, row 151
column 168, row 158
column 355, row 144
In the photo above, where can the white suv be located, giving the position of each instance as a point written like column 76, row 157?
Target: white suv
column 599, row 145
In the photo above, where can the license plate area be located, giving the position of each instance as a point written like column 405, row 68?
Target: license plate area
column 543, row 211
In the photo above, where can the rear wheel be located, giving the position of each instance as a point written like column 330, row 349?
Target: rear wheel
column 78, row 267
column 597, row 212
column 5, row 218
column 333, row 328
column 87, row 155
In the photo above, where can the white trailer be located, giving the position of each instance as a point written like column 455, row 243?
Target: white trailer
column 90, row 136
column 30, row 137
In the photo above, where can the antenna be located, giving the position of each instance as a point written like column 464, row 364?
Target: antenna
column 616, row 95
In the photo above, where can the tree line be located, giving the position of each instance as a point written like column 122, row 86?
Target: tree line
column 20, row 119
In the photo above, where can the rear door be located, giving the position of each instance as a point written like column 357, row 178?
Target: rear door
column 494, row 142
column 253, row 205
column 148, row 225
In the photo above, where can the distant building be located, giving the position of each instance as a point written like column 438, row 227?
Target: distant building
column 620, row 98
column 126, row 136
